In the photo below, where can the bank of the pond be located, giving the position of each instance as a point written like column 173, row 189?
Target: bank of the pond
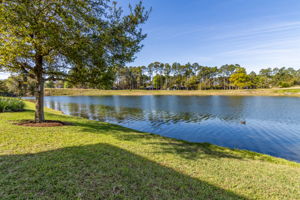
column 95, row 160
column 293, row 92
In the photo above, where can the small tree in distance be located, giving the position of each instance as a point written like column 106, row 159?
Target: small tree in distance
column 47, row 39
column 240, row 79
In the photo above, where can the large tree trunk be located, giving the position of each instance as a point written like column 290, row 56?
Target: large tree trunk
column 39, row 105
column 39, row 91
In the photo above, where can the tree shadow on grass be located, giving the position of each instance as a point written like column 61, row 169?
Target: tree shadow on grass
column 184, row 149
column 104, row 128
column 194, row 151
column 187, row 150
column 162, row 144
column 99, row 171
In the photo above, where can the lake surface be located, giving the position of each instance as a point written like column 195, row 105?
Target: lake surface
column 272, row 123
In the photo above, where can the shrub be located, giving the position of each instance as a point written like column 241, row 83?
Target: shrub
column 11, row 104
column 285, row 84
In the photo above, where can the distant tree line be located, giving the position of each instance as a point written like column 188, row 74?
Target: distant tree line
column 194, row 76
column 157, row 76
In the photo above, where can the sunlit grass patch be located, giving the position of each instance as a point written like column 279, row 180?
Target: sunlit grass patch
column 95, row 92
column 289, row 91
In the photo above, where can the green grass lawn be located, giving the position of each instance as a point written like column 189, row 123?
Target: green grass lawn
column 294, row 92
column 289, row 91
column 95, row 160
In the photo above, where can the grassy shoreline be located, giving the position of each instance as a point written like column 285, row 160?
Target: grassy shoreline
column 292, row 92
column 91, row 160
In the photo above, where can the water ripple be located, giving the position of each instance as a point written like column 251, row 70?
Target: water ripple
column 271, row 123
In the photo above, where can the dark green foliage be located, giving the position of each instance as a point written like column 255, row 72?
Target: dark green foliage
column 11, row 104
column 20, row 85
column 3, row 87
column 285, row 84
column 194, row 76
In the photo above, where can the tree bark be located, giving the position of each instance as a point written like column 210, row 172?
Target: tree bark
column 39, row 93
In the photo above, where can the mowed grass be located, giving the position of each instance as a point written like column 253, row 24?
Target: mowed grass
column 293, row 92
column 95, row 160
column 289, row 91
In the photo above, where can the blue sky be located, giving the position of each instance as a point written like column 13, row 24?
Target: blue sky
column 254, row 33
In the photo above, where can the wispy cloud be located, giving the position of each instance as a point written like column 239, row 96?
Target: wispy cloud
column 239, row 32
column 273, row 45
column 209, row 32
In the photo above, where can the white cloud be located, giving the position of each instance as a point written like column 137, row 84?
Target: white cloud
column 3, row 75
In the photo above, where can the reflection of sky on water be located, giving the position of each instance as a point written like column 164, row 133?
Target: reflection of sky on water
column 271, row 122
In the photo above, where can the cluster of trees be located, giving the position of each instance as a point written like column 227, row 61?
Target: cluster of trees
column 194, row 76
column 170, row 76
column 17, row 85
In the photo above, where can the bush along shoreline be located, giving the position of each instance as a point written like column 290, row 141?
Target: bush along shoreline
column 9, row 104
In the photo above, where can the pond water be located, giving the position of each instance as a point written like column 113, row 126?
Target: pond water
column 271, row 124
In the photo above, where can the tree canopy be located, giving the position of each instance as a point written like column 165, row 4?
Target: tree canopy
column 240, row 78
column 77, row 40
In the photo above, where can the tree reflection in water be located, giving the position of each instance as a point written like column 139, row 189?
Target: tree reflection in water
column 271, row 126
